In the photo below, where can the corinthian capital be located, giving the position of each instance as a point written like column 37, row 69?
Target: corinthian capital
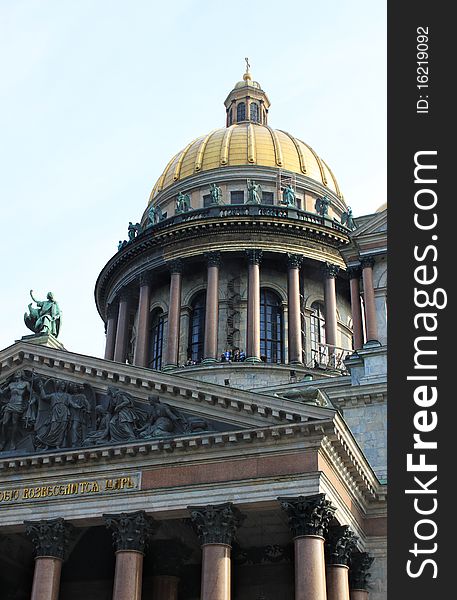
column 254, row 256
column 340, row 543
column 308, row 515
column 131, row 531
column 213, row 259
column 359, row 565
column 294, row 261
column 367, row 261
column 50, row 538
column 216, row 524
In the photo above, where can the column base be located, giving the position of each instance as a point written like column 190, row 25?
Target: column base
column 372, row 344
column 253, row 359
column 295, row 363
column 169, row 367
column 209, row 361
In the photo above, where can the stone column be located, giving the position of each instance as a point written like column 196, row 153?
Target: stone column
column 295, row 336
column 51, row 539
column 359, row 576
column 111, row 325
column 369, row 299
column 216, row 527
column 339, row 545
column 120, row 348
column 174, row 313
column 357, row 330
column 331, row 271
column 140, row 356
column 168, row 558
column 165, row 587
column 309, row 517
column 212, row 306
column 131, row 534
column 253, row 317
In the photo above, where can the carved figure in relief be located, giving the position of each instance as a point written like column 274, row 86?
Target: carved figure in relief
column 14, row 397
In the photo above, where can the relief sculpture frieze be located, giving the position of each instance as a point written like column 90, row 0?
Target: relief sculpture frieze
column 40, row 414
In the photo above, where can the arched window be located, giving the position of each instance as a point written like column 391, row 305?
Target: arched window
column 254, row 112
column 156, row 339
column 241, row 112
column 317, row 331
column 197, row 328
column 271, row 327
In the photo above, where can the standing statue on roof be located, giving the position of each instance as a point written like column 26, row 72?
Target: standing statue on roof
column 46, row 318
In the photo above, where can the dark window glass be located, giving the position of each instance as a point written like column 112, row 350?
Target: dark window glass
column 254, row 112
column 271, row 327
column 206, row 200
column 156, row 340
column 197, row 328
column 267, row 198
column 237, row 197
column 241, row 112
column 317, row 331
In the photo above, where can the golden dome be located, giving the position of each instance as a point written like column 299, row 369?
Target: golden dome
column 247, row 144
column 381, row 208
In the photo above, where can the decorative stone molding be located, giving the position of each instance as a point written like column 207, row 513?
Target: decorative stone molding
column 308, row 515
column 331, row 270
column 367, row 261
column 176, row 266
column 294, row 261
column 359, row 565
column 254, row 256
column 216, row 524
column 340, row 543
column 50, row 538
column 213, row 259
column 131, row 531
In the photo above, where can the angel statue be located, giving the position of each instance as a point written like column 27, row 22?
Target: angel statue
column 182, row 203
column 348, row 220
column 46, row 318
column 215, row 193
column 254, row 192
column 321, row 206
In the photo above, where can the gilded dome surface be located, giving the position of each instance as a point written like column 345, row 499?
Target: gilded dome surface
column 244, row 144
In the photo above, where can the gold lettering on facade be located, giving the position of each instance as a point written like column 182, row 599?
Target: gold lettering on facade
column 80, row 488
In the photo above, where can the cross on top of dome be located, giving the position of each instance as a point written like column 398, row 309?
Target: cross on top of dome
column 247, row 102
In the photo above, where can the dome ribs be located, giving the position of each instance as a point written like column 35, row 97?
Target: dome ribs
column 251, row 144
column 319, row 163
column 201, row 151
column 301, row 158
column 276, row 146
column 226, row 145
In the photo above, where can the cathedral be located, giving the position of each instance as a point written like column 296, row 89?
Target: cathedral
column 231, row 443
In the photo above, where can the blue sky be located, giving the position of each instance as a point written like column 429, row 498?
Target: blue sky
column 96, row 96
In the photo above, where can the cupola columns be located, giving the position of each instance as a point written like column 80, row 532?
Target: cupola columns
column 140, row 356
column 174, row 313
column 369, row 299
column 331, row 272
column 295, row 327
column 253, row 316
column 120, row 348
column 111, row 325
column 356, row 307
column 212, row 306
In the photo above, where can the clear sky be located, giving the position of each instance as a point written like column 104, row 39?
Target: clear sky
column 97, row 95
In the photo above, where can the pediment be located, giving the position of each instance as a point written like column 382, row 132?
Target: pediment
column 376, row 224
column 53, row 400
